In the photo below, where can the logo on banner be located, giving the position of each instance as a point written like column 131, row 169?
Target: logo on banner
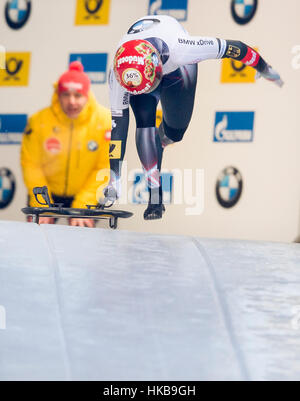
column 234, row 71
column 140, row 193
column 174, row 8
column 92, row 12
column 17, row 13
column 236, row 126
column 243, row 10
column 12, row 127
column 115, row 148
column 229, row 187
column 95, row 65
column 16, row 71
column 7, row 187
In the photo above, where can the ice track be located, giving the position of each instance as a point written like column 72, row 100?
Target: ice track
column 98, row 304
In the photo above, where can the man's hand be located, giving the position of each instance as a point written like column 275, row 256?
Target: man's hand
column 42, row 220
column 271, row 75
column 82, row 223
column 46, row 220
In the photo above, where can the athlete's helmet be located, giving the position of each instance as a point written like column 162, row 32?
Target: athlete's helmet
column 138, row 66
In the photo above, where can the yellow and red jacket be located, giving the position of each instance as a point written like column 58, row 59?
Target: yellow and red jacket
column 67, row 154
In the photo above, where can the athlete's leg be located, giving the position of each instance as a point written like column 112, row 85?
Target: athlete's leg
column 177, row 98
column 149, row 149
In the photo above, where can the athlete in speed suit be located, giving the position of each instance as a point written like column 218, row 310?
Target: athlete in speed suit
column 157, row 60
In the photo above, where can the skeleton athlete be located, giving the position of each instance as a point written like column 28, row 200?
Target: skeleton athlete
column 157, row 60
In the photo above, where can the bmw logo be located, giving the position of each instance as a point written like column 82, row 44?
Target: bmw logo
column 93, row 146
column 7, row 187
column 229, row 187
column 17, row 13
column 243, row 10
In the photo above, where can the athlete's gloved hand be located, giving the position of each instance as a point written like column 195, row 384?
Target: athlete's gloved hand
column 271, row 75
column 111, row 194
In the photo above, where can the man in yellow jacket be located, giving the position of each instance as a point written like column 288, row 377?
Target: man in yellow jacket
column 66, row 145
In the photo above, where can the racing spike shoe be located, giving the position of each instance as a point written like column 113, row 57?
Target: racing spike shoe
column 155, row 207
column 154, row 212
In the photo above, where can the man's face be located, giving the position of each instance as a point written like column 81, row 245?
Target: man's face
column 72, row 103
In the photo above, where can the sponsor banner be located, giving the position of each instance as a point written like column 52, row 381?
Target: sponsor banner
column 243, row 11
column 229, row 187
column 140, row 194
column 95, row 65
column 174, row 8
column 115, row 148
column 7, row 187
column 234, row 71
column 16, row 71
column 234, row 126
column 159, row 117
column 2, row 57
column 17, row 13
column 12, row 127
column 92, row 12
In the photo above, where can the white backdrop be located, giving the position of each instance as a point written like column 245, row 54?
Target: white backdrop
column 269, row 206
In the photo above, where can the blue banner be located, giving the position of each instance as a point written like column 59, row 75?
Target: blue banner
column 234, row 126
column 12, row 127
column 174, row 8
column 95, row 65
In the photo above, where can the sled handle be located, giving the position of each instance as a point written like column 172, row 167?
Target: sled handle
column 44, row 192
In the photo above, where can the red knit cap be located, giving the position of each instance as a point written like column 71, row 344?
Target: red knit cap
column 75, row 79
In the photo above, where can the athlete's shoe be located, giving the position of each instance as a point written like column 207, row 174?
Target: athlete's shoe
column 155, row 207
column 154, row 212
